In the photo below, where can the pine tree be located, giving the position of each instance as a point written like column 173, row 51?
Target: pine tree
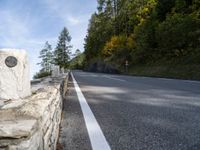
column 77, row 53
column 63, row 49
column 46, row 56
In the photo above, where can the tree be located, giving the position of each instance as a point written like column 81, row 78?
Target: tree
column 178, row 36
column 100, row 30
column 77, row 52
column 143, row 31
column 46, row 56
column 63, row 49
column 77, row 61
column 100, row 6
column 118, row 49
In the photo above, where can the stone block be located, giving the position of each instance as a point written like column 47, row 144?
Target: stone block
column 33, row 143
column 16, row 129
column 55, row 71
column 14, row 74
column 62, row 70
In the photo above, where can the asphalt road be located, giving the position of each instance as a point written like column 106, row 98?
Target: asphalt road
column 134, row 113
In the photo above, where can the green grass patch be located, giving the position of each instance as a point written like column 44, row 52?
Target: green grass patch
column 179, row 71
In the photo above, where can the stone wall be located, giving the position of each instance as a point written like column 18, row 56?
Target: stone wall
column 33, row 123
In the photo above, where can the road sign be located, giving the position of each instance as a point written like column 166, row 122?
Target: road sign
column 126, row 63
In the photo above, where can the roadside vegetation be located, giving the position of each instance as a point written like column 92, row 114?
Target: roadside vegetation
column 77, row 62
column 157, row 37
column 60, row 56
column 41, row 74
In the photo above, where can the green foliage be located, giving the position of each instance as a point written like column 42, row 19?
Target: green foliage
column 78, row 61
column 63, row 49
column 60, row 56
column 179, row 71
column 41, row 74
column 144, row 32
column 77, row 53
column 145, row 42
column 118, row 49
column 100, row 26
column 46, row 57
column 178, row 36
column 163, row 8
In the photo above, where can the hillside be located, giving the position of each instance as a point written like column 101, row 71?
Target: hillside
column 157, row 37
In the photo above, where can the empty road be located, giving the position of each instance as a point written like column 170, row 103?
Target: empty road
column 130, row 113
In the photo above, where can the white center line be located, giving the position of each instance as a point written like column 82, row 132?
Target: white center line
column 97, row 138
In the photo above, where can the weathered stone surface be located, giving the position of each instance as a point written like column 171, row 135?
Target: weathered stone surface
column 33, row 123
column 55, row 71
column 47, row 137
column 13, row 104
column 22, row 128
column 33, row 143
column 62, row 70
column 14, row 74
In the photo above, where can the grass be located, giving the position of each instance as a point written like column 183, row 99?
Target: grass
column 179, row 71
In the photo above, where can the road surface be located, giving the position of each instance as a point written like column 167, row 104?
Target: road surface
column 130, row 113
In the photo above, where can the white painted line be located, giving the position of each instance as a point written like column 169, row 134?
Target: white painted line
column 115, row 78
column 97, row 138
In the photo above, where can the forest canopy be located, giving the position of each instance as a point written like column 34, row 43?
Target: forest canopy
column 144, row 32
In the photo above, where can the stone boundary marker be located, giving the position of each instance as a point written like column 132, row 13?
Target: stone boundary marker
column 14, row 74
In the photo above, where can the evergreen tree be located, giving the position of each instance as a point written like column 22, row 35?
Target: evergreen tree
column 46, row 57
column 143, row 31
column 63, row 49
column 77, row 53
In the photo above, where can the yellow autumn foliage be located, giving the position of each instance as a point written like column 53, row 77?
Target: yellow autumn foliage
column 118, row 44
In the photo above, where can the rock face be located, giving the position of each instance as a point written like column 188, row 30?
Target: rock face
column 102, row 67
column 14, row 74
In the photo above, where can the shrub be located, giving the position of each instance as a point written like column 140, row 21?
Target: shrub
column 119, row 48
column 178, row 35
column 41, row 75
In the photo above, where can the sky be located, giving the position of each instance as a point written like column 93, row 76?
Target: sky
column 28, row 24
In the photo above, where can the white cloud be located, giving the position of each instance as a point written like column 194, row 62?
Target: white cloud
column 75, row 22
column 72, row 20
column 63, row 12
column 27, row 30
column 16, row 33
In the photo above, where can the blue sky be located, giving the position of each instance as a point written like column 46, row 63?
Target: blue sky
column 28, row 24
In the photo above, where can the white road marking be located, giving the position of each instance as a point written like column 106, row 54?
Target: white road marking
column 97, row 138
column 114, row 78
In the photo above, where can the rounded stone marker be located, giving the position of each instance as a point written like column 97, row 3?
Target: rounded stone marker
column 11, row 61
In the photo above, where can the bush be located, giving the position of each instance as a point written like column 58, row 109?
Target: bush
column 77, row 62
column 118, row 49
column 178, row 36
column 39, row 75
column 145, row 42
